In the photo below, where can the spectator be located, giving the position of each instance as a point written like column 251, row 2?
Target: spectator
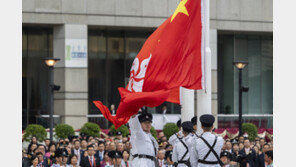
column 77, row 151
column 112, row 146
column 83, row 146
column 262, row 142
column 106, row 160
column 46, row 142
column 125, row 159
column 120, row 147
column 269, row 158
column 168, row 159
column 100, row 152
column 34, row 161
column 116, row 158
column 73, row 159
column 160, row 157
column 247, row 155
column 241, row 146
column 51, row 149
column 90, row 160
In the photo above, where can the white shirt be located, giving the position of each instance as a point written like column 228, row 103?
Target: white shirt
column 179, row 150
column 142, row 143
column 247, row 150
column 174, row 140
column 200, row 149
column 78, row 153
column 161, row 163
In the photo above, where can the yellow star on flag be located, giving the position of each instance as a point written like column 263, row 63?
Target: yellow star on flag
column 180, row 9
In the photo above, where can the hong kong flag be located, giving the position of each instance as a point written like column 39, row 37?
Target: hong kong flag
column 172, row 57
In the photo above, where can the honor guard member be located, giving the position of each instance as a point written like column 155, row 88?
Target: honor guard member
column 173, row 140
column 194, row 123
column 207, row 147
column 144, row 145
column 181, row 151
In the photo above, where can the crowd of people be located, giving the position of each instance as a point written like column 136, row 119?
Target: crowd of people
column 116, row 150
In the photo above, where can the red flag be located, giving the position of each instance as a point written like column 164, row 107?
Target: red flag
column 170, row 58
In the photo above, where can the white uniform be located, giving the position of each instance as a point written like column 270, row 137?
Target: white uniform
column 200, row 149
column 142, row 143
column 174, row 140
column 179, row 150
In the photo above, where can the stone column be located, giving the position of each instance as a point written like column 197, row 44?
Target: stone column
column 71, row 101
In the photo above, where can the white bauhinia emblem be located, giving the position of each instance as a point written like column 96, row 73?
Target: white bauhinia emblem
column 137, row 74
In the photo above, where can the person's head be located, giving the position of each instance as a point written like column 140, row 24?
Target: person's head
column 168, row 157
column 106, row 157
column 51, row 147
column 146, row 121
column 262, row 142
column 160, row 135
column 207, row 121
column 107, row 145
column 256, row 149
column 187, row 128
column 161, row 154
column 76, row 144
column 112, row 146
column 163, row 139
column 33, row 147
column 61, row 156
column 73, row 159
column 120, row 147
column 116, row 157
column 83, row 144
column 268, row 157
column 101, row 146
column 39, row 156
column 168, row 147
column 47, row 142
column 128, row 145
column 179, row 124
column 225, row 157
column 235, row 147
column 112, row 107
column 240, row 146
column 119, row 135
column 34, row 140
column 164, row 108
column 41, row 148
column 125, row 155
column 247, row 143
column 90, row 150
column 194, row 123
column 124, row 139
column 241, row 139
column 266, row 148
column 34, row 160
column 228, row 145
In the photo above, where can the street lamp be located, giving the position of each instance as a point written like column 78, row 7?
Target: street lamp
column 240, row 65
column 50, row 62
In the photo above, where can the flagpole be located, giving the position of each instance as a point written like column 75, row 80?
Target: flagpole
column 187, row 104
column 204, row 97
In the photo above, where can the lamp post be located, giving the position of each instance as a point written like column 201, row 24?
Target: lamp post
column 50, row 62
column 240, row 65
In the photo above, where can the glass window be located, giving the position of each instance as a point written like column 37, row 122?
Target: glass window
column 257, row 50
column 37, row 44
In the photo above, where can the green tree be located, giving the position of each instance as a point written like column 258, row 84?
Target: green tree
column 169, row 129
column 251, row 129
column 123, row 129
column 64, row 130
column 35, row 130
column 90, row 129
column 153, row 132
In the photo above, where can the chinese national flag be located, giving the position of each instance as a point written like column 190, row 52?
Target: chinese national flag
column 172, row 57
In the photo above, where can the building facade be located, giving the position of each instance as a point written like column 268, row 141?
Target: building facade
column 97, row 41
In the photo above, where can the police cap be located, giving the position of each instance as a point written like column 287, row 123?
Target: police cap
column 207, row 120
column 194, row 120
column 187, row 126
column 145, row 117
